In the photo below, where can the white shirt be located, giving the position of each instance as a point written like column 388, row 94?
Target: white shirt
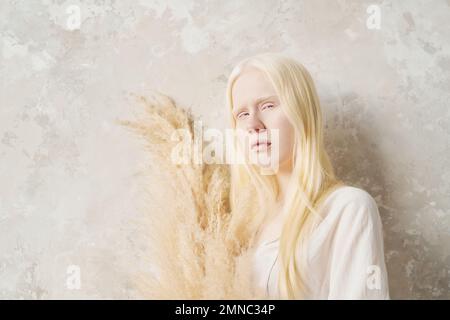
column 345, row 254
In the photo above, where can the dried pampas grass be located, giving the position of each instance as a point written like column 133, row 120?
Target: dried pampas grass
column 200, row 249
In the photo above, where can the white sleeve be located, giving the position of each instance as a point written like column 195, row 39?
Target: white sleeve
column 357, row 267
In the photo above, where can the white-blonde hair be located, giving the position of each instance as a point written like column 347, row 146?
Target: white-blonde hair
column 312, row 174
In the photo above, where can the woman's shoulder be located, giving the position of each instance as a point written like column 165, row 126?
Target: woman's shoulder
column 346, row 210
column 349, row 194
column 348, row 200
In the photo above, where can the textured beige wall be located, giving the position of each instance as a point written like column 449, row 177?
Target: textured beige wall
column 68, row 189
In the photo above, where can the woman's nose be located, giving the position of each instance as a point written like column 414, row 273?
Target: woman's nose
column 255, row 125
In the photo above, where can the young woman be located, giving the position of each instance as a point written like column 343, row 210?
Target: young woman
column 317, row 238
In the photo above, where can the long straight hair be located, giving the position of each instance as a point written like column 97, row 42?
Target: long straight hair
column 312, row 175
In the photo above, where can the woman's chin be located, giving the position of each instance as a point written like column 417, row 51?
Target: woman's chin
column 264, row 162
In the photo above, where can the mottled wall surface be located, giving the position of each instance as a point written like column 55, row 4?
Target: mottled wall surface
column 68, row 186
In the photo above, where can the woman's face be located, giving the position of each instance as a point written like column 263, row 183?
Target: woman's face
column 259, row 117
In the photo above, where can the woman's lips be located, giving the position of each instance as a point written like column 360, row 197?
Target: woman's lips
column 261, row 145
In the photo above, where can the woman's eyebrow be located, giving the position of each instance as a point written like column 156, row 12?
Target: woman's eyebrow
column 257, row 101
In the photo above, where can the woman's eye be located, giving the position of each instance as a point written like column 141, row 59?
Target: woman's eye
column 267, row 106
column 240, row 115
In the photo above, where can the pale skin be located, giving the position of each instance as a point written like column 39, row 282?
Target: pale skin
column 256, row 108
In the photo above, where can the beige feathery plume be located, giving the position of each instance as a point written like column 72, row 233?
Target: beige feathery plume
column 200, row 248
